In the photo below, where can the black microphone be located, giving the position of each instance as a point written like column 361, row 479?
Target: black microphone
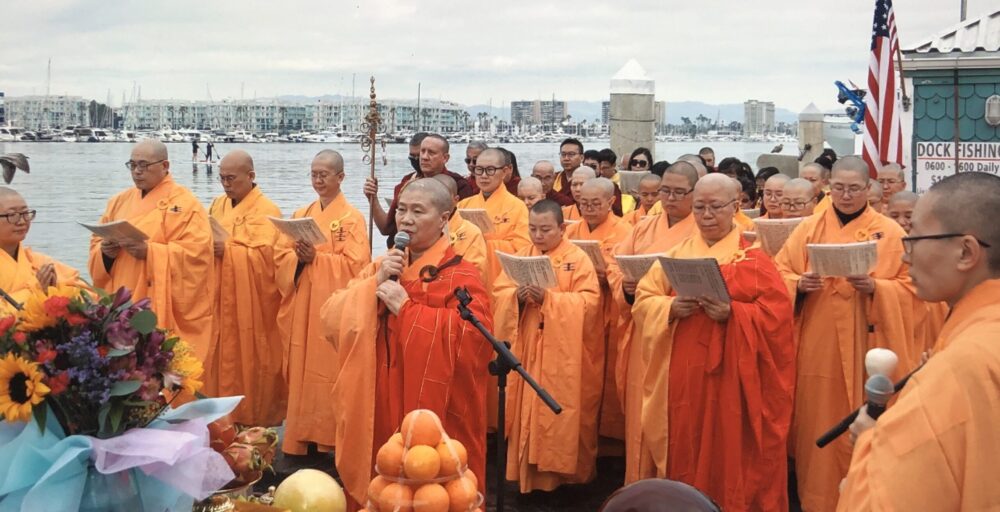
column 463, row 296
column 400, row 241
column 879, row 390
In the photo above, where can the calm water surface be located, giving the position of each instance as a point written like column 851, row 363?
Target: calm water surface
column 72, row 182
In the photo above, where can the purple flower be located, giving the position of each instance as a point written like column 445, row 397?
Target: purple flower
column 121, row 335
column 122, row 296
column 89, row 369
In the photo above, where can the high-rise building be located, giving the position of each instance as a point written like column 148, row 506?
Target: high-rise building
column 758, row 117
column 3, row 111
column 605, row 112
column 537, row 112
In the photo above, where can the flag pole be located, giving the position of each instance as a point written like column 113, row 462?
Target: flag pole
column 902, row 80
column 370, row 130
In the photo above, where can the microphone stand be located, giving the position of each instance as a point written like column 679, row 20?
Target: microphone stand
column 10, row 300
column 500, row 367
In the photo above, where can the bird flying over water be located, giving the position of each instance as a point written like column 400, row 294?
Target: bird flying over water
column 11, row 162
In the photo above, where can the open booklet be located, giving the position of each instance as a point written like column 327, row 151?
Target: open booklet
column 635, row 266
column 842, row 260
column 593, row 250
column 117, row 231
column 753, row 213
column 628, row 181
column 773, row 233
column 302, row 229
column 696, row 277
column 219, row 233
column 479, row 217
column 523, row 270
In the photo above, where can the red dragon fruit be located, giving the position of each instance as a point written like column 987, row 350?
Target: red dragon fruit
column 265, row 440
column 221, row 433
column 245, row 461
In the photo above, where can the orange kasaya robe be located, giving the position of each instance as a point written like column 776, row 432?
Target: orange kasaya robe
column 823, row 204
column 179, row 260
column 510, row 234
column 743, row 222
column 247, row 359
column 717, row 398
column 310, row 361
column 18, row 277
column 426, row 357
column 928, row 319
column 835, row 328
column 572, row 212
column 652, row 235
column 610, row 233
column 936, row 447
column 640, row 213
column 468, row 242
column 560, row 345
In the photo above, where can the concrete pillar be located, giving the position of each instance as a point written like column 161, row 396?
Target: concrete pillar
column 631, row 115
column 810, row 133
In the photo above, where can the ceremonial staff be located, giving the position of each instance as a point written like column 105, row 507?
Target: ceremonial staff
column 370, row 131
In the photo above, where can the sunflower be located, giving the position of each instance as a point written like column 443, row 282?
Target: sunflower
column 185, row 369
column 36, row 316
column 21, row 388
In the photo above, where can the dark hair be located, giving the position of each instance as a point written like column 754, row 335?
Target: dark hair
column 590, row 154
column 745, row 170
column 827, row 158
column 641, row 151
column 606, row 156
column 659, row 167
column 549, row 206
column 767, row 172
column 447, row 146
column 706, row 150
column 749, row 187
column 730, row 164
column 572, row 141
column 511, row 160
column 418, row 138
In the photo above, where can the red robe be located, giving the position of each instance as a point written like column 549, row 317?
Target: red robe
column 465, row 189
column 717, row 400
column 426, row 357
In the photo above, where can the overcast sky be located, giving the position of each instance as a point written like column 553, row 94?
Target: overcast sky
column 716, row 51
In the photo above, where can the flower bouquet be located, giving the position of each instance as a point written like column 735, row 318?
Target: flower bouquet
column 97, row 377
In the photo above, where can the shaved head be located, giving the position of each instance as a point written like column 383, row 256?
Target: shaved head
column 602, row 186
column 238, row 160
column 718, row 181
column 969, row 203
column 153, row 148
column 904, row 197
column 331, row 158
column 530, row 190
column 551, row 207
column 778, row 179
column 153, row 154
column 530, row 183
column 798, row 184
column 448, row 182
column 852, row 164
column 695, row 160
column 585, row 173
column 9, row 193
column 894, row 170
column 686, row 169
column 236, row 174
column 875, row 191
column 649, row 178
column 435, row 192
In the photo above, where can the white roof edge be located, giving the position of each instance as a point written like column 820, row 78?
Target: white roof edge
column 982, row 33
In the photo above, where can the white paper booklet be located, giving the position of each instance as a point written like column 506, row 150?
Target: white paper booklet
column 593, row 250
column 696, row 277
column 479, row 217
column 117, row 231
column 753, row 213
column 535, row 270
column 303, row 229
column 629, row 181
column 635, row 266
column 773, row 233
column 842, row 260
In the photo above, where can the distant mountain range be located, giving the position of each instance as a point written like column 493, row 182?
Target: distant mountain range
column 591, row 110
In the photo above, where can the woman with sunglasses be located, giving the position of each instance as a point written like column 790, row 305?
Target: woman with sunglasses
column 641, row 160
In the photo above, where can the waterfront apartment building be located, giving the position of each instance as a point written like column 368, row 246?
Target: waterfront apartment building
column 537, row 112
column 41, row 112
column 3, row 111
column 758, row 117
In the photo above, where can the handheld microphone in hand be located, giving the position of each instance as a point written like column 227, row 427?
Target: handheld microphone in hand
column 879, row 390
column 400, row 241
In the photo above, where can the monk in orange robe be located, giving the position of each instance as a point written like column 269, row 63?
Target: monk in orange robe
column 774, row 190
column 654, row 234
column 403, row 345
column 798, row 199
column 509, row 215
column 600, row 225
column 22, row 270
column 819, row 176
column 936, row 446
column 838, row 319
column 530, row 190
column 171, row 267
column 465, row 237
column 248, row 342
column 580, row 176
column 649, row 196
column 555, row 332
column 307, row 274
column 718, row 386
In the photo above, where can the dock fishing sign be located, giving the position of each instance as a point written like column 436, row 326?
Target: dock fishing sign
column 936, row 160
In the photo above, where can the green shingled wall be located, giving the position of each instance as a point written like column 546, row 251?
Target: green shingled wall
column 934, row 106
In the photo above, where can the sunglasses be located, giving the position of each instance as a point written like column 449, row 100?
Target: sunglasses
column 637, row 163
column 470, row 161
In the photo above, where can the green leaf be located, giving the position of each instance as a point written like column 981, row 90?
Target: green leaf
column 117, row 411
column 168, row 345
column 40, row 412
column 102, row 417
column 117, row 352
column 125, row 387
column 144, row 321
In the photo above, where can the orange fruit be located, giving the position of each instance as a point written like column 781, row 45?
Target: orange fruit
column 471, row 476
column 431, row 498
column 375, row 488
column 397, row 438
column 396, row 498
column 453, row 456
column 421, row 427
column 421, row 463
column 462, row 495
column 389, row 459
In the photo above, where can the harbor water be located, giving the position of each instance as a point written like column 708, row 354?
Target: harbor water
column 72, row 182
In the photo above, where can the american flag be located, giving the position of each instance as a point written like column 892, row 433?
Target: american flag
column 883, row 141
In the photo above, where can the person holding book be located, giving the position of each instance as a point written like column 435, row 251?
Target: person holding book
column 307, row 274
column 649, row 196
column 719, row 383
column 838, row 319
column 555, row 332
column 24, row 271
column 773, row 191
column 174, row 264
column 466, row 238
column 798, row 199
column 580, row 176
column 652, row 235
column 601, row 226
column 244, row 358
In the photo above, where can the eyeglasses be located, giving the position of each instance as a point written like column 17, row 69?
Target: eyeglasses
column 322, row 176
column 141, row 165
column 773, row 194
column 908, row 240
column 489, row 171
column 590, row 206
column 701, row 209
column 794, row 205
column 853, row 190
column 637, row 163
column 470, row 161
column 675, row 192
column 227, row 179
column 889, row 181
column 16, row 217
column 569, row 154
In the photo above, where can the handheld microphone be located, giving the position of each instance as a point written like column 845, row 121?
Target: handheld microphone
column 879, row 390
column 462, row 294
column 400, row 241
